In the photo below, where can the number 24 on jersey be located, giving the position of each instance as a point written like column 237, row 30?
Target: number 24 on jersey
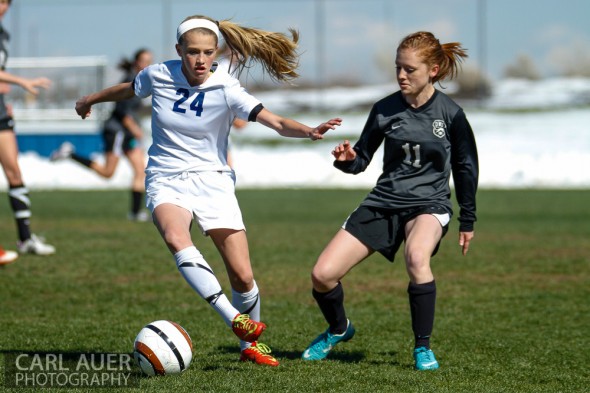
column 196, row 105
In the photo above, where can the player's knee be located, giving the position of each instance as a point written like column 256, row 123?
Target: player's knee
column 417, row 258
column 107, row 174
column 13, row 176
column 322, row 278
column 242, row 282
column 176, row 240
column 418, row 264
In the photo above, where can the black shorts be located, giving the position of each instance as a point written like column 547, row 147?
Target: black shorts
column 118, row 142
column 383, row 230
column 7, row 124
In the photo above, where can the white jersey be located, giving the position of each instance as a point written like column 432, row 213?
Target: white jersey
column 191, row 124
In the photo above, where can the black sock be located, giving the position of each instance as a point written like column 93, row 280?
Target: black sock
column 82, row 160
column 422, row 303
column 332, row 306
column 136, row 199
column 21, row 207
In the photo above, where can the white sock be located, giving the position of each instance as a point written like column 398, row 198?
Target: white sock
column 197, row 272
column 247, row 303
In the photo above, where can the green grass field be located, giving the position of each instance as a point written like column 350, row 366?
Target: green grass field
column 512, row 316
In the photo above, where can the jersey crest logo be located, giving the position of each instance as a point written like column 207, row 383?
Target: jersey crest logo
column 438, row 128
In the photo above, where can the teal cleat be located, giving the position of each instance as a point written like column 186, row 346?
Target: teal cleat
column 325, row 342
column 425, row 359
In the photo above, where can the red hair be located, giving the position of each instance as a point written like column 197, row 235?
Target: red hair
column 447, row 56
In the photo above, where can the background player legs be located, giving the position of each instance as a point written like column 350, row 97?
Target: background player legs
column 137, row 162
column 19, row 197
column 107, row 171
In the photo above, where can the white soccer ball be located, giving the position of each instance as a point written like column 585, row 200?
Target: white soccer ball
column 163, row 347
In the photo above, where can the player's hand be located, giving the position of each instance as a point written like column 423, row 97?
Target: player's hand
column 465, row 240
column 344, row 152
column 319, row 131
column 32, row 85
column 83, row 109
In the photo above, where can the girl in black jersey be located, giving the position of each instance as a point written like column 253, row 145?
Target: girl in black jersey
column 426, row 137
column 18, row 193
column 121, row 135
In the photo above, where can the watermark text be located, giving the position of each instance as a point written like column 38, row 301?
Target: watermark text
column 70, row 370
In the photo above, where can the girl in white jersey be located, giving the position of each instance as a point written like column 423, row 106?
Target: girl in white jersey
column 194, row 103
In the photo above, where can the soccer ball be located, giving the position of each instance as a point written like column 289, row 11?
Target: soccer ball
column 163, row 347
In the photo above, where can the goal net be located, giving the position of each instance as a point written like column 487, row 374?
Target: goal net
column 72, row 78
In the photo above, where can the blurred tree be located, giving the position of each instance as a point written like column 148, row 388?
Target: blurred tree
column 472, row 84
column 522, row 68
column 385, row 60
column 573, row 60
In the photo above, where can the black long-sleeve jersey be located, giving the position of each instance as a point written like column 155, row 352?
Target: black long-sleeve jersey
column 422, row 146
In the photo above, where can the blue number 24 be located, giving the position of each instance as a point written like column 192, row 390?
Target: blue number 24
column 196, row 105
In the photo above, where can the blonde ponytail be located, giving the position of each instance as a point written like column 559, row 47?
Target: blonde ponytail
column 275, row 52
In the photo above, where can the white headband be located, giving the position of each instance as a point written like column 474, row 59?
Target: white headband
column 196, row 23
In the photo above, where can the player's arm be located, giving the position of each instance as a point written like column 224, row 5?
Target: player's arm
column 122, row 91
column 464, row 162
column 293, row 129
column 29, row 84
column 356, row 159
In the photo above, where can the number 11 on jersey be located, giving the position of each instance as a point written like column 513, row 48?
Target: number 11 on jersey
column 408, row 150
